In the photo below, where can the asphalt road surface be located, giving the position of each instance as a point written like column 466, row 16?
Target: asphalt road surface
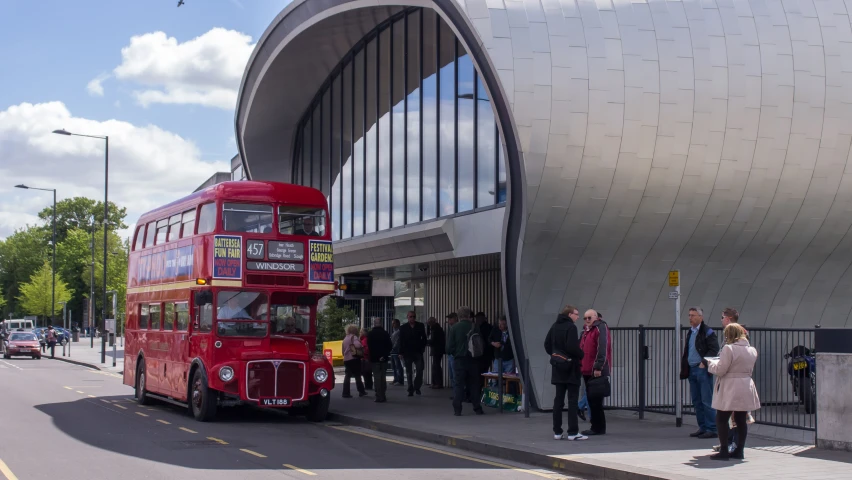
column 64, row 422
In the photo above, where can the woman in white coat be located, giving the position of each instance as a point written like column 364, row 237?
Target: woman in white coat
column 734, row 392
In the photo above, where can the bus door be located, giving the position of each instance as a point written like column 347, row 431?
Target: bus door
column 200, row 342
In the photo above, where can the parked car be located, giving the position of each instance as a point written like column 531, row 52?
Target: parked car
column 62, row 336
column 22, row 344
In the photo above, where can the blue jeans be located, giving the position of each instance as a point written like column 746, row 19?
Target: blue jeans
column 398, row 371
column 508, row 366
column 583, row 404
column 701, row 388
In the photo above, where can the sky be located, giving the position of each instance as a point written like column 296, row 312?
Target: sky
column 160, row 80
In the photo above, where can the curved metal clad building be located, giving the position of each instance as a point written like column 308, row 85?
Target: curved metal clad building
column 637, row 137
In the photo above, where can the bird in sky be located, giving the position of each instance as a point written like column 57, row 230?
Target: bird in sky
column 180, row 2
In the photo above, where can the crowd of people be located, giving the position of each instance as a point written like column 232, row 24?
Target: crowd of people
column 720, row 378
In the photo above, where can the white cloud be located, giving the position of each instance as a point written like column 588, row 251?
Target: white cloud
column 203, row 71
column 148, row 166
column 95, row 86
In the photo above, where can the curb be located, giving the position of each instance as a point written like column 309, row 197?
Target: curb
column 579, row 466
column 75, row 362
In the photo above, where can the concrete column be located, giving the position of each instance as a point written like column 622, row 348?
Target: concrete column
column 834, row 391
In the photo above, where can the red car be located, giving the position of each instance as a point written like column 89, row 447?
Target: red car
column 22, row 344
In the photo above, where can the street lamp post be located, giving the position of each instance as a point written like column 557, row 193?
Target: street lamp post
column 64, row 316
column 106, row 219
column 53, row 265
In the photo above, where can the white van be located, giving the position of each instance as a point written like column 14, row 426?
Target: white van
column 13, row 325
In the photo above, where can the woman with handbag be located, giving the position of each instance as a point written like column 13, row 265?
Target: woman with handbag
column 563, row 347
column 596, row 344
column 353, row 352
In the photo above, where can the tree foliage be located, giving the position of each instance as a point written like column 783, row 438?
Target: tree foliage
column 21, row 254
column 332, row 321
column 76, row 212
column 2, row 300
column 36, row 294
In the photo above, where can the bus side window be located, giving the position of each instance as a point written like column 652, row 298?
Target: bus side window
column 169, row 317
column 137, row 241
column 151, row 234
column 205, row 318
column 155, row 316
column 188, row 224
column 182, row 312
column 143, row 317
column 207, row 218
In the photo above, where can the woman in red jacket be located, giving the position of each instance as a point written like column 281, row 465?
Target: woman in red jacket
column 596, row 343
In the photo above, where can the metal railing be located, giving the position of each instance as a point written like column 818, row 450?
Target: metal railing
column 646, row 367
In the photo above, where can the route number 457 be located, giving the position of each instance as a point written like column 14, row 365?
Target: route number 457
column 255, row 249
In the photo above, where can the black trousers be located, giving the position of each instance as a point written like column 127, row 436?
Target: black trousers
column 573, row 392
column 596, row 411
column 380, row 379
column 415, row 381
column 437, row 371
column 352, row 369
column 466, row 372
column 741, row 419
column 367, row 372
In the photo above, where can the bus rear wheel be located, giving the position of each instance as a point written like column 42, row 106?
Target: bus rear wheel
column 202, row 400
column 318, row 408
column 141, row 395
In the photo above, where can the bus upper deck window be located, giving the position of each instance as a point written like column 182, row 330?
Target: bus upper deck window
column 308, row 221
column 246, row 217
column 207, row 218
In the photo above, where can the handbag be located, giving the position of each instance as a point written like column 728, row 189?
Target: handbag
column 598, row 387
column 357, row 350
column 559, row 361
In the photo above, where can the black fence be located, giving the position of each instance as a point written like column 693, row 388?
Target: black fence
column 646, row 367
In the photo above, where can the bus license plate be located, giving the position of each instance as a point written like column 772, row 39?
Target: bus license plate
column 800, row 365
column 275, row 402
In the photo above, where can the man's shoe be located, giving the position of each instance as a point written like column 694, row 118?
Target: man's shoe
column 591, row 432
column 418, row 392
column 708, row 435
column 697, row 433
column 581, row 415
column 558, row 437
column 737, row 455
column 716, row 448
column 362, row 394
column 577, row 437
column 456, row 414
column 479, row 412
column 410, row 394
column 720, row 456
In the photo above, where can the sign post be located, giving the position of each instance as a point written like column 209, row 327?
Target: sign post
column 674, row 281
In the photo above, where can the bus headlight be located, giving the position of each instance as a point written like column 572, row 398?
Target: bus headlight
column 320, row 375
column 226, row 374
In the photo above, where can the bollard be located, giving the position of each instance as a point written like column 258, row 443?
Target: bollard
column 500, row 380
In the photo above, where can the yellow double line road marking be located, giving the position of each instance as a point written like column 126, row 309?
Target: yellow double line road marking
column 218, row 440
column 187, row 430
column 251, row 452
column 300, row 470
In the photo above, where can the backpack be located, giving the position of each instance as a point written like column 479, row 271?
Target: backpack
column 475, row 344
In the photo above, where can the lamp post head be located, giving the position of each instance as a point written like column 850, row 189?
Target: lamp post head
column 22, row 186
column 62, row 131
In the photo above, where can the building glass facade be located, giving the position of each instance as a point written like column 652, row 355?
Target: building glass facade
column 402, row 131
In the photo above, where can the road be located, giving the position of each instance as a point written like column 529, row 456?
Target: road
column 62, row 421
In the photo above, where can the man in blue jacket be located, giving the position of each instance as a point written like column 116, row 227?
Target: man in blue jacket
column 701, row 342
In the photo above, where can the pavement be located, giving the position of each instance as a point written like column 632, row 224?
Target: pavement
column 62, row 420
column 84, row 354
column 653, row 448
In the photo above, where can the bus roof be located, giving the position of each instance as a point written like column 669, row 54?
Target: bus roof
column 243, row 191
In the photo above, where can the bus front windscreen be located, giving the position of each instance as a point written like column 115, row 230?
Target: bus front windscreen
column 242, row 314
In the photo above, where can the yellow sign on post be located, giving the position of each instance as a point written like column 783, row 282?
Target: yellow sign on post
column 674, row 278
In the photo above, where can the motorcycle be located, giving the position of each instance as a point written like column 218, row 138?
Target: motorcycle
column 801, row 367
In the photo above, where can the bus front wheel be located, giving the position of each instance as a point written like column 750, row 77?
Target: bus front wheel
column 318, row 408
column 202, row 400
column 141, row 394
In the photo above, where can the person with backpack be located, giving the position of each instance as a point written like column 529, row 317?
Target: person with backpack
column 466, row 345
column 563, row 345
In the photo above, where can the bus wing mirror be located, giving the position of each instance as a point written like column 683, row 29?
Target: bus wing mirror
column 203, row 297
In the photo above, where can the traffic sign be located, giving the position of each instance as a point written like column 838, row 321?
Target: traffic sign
column 674, row 278
column 673, row 295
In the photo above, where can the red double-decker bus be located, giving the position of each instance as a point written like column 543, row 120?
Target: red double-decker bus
column 221, row 300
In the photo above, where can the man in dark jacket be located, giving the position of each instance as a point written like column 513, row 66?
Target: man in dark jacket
column 485, row 329
column 701, row 342
column 467, row 377
column 563, row 340
column 437, row 344
column 379, row 344
column 412, row 344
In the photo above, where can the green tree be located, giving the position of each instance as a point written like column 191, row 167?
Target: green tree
column 2, row 300
column 36, row 296
column 21, row 254
column 332, row 321
column 76, row 212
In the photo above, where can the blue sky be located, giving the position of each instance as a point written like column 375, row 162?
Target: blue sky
column 50, row 50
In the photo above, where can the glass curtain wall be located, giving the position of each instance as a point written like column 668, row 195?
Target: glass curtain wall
column 402, row 131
